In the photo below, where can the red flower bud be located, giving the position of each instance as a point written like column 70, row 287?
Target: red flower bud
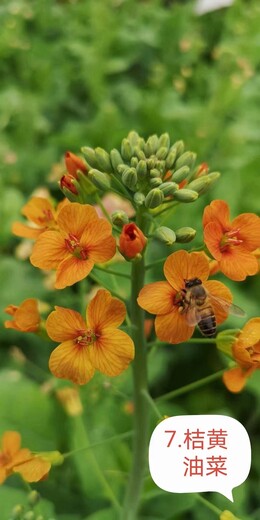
column 67, row 182
column 203, row 169
column 73, row 164
column 131, row 241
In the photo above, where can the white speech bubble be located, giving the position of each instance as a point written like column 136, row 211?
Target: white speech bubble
column 196, row 453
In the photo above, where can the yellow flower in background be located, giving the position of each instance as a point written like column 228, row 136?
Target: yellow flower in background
column 26, row 317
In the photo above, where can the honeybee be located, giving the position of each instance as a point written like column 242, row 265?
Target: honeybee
column 196, row 304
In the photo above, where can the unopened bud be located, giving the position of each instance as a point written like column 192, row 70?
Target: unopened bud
column 139, row 198
column 181, row 174
column 126, row 150
column 74, row 164
column 160, row 165
column 133, row 137
column 139, row 153
column 103, row 160
column 156, row 181
column 154, row 198
column 119, row 218
column 17, row 512
column 148, row 149
column 54, row 457
column 129, row 178
column 165, row 235
column 30, row 515
column 169, row 188
column 185, row 234
column 100, row 180
column 170, row 159
column 153, row 143
column 116, row 159
column 227, row 515
column 155, row 173
column 33, row 498
column 68, row 182
column 134, row 162
column 90, row 156
column 122, row 167
column 162, row 152
column 186, row 159
column 141, row 169
column 164, row 140
column 186, row 195
column 203, row 183
column 179, row 147
column 151, row 163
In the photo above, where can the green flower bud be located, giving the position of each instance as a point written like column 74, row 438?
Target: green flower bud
column 134, row 162
column 90, row 156
column 33, row 498
column 164, row 141
column 227, row 515
column 134, row 138
column 169, row 188
column 154, row 198
column 153, row 143
column 129, row 178
column 116, row 159
column 103, row 160
column 122, row 167
column 225, row 340
column 30, row 515
column 170, row 159
column 119, row 218
column 139, row 153
column 156, row 181
column 185, row 234
column 186, row 159
column 126, row 150
column 139, row 198
column 17, row 512
column 148, row 149
column 179, row 147
column 162, row 152
column 141, row 143
column 202, row 184
column 160, row 165
column 100, row 180
column 151, row 163
column 165, row 235
column 186, row 195
column 181, row 174
column 141, row 169
column 155, row 173
column 85, row 186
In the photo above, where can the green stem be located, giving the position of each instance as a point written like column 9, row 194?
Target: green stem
column 102, row 207
column 208, row 504
column 201, row 340
column 118, row 437
column 192, row 386
column 152, row 404
column 99, row 282
column 110, row 271
column 156, row 262
column 141, row 411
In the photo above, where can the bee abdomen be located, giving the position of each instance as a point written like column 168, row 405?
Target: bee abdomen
column 207, row 324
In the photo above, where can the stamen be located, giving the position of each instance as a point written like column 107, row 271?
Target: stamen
column 229, row 239
column 86, row 337
column 74, row 247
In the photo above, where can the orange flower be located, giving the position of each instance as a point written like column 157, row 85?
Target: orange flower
column 26, row 317
column 14, row 459
column 74, row 163
column 232, row 243
column 96, row 344
column 246, row 351
column 41, row 215
column 131, row 241
column 81, row 240
column 165, row 298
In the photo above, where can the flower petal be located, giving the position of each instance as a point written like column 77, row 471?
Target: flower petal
column 33, row 470
column 21, row 230
column 72, row 270
column 248, row 225
column 173, row 327
column 64, row 324
column 75, row 217
column 11, row 442
column 103, row 250
column 235, row 379
column 112, row 352
column 157, row 298
column 219, row 290
column 182, row 265
column 217, row 211
column 250, row 334
column 72, row 362
column 238, row 264
column 213, row 234
column 27, row 316
column 39, row 210
column 104, row 311
column 49, row 250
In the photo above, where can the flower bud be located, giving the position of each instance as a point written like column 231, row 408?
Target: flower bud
column 156, row 181
column 122, row 167
column 169, row 188
column 100, row 180
column 164, row 141
column 67, row 182
column 139, row 153
column 185, row 234
column 151, row 163
column 170, row 159
column 203, row 183
column 181, row 174
column 162, row 152
column 30, row 515
column 131, row 241
column 54, row 457
column 179, row 147
column 73, row 164
column 186, row 159
column 129, row 178
column 116, row 159
column 225, row 340
column 133, row 137
column 165, row 235
column 134, row 162
column 203, row 169
column 227, row 515
column 126, row 150
column 153, row 143
column 186, row 195
column 155, row 173
column 148, row 149
column 160, row 165
column 33, row 498
column 103, row 160
column 139, row 198
column 154, row 198
column 119, row 218
column 90, row 156
column 17, row 512
column 70, row 399
column 141, row 169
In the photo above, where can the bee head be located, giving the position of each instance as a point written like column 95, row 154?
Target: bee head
column 192, row 282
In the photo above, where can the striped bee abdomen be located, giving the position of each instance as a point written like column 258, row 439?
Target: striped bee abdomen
column 207, row 324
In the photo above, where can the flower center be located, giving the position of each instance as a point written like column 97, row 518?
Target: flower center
column 4, row 459
column 86, row 337
column 254, row 351
column 47, row 217
column 75, row 248
column 229, row 239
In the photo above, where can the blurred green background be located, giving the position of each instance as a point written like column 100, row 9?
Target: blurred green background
column 86, row 72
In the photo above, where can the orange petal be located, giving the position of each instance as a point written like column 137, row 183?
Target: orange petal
column 112, row 352
column 10, row 325
column 75, row 218
column 33, row 470
column 217, row 211
column 238, row 264
column 21, row 456
column 27, row 316
column 182, row 265
column 173, row 327
column 62, row 204
column 250, row 334
column 39, row 210
column 11, row 442
column 103, row 250
column 21, row 230
column 49, row 250
column 3, row 475
column 72, row 270
column 63, row 324
column 234, row 379
column 157, row 298
column 248, row 225
column 72, row 362
column 213, row 234
column 219, row 290
column 104, row 311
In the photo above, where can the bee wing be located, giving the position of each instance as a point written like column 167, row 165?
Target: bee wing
column 228, row 307
column 192, row 316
